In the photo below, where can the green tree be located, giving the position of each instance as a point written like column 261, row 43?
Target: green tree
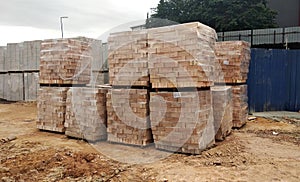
column 223, row 15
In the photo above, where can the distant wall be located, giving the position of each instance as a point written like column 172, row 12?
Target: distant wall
column 20, row 66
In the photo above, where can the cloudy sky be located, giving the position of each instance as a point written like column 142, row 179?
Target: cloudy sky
column 23, row 20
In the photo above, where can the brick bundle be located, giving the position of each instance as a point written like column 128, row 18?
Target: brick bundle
column 222, row 106
column 128, row 64
column 233, row 58
column 51, row 108
column 182, row 121
column 127, row 116
column 240, row 105
column 65, row 61
column 95, row 52
column 181, row 56
column 86, row 113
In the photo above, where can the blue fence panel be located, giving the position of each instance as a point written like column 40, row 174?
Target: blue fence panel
column 294, row 101
column 274, row 80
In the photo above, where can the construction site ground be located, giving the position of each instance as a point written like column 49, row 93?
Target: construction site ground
column 263, row 150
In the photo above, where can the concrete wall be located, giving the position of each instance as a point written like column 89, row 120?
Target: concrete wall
column 2, row 78
column 31, row 86
column 2, row 58
column 13, row 87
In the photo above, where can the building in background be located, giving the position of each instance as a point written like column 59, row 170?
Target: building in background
column 288, row 12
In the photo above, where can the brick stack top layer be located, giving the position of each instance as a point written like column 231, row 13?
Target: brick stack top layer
column 233, row 58
column 128, row 64
column 182, row 56
column 65, row 61
column 174, row 56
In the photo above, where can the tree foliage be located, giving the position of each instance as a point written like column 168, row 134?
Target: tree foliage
column 223, row 15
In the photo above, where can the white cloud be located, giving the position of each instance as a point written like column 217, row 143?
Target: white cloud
column 22, row 20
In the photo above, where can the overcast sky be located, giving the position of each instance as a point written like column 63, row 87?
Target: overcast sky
column 23, row 20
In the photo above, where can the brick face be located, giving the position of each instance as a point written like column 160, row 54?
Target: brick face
column 65, row 61
column 86, row 113
column 128, row 116
column 182, row 122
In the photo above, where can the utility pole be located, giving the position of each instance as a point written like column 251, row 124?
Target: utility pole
column 62, row 26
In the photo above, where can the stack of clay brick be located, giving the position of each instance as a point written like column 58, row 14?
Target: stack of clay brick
column 128, row 101
column 180, row 56
column 233, row 66
column 65, row 61
column 51, row 108
column 127, row 116
column 240, row 105
column 99, row 68
column 222, row 106
column 233, row 58
column 128, row 63
column 182, row 121
column 86, row 113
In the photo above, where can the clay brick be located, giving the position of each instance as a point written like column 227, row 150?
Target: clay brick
column 182, row 121
column 86, row 113
column 52, row 108
column 222, row 106
column 128, row 117
column 233, row 58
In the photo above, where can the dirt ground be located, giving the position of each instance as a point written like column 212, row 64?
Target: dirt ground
column 263, row 150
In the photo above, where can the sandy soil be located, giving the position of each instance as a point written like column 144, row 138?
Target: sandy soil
column 264, row 150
